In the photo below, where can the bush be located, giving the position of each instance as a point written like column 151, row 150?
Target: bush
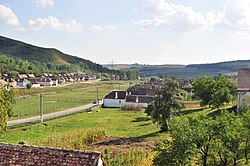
column 28, row 85
column 137, row 108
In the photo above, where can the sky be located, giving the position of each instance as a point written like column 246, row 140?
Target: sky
column 133, row 31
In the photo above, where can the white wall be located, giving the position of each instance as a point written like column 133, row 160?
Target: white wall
column 243, row 97
column 113, row 103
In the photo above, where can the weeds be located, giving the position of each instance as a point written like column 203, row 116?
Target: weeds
column 76, row 139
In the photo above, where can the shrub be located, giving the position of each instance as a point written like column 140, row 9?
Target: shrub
column 137, row 108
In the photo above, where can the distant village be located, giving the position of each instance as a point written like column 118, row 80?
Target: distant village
column 21, row 80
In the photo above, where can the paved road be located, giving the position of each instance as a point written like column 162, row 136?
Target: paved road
column 51, row 115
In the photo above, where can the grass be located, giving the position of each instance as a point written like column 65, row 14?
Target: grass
column 61, row 98
column 117, row 131
column 115, row 122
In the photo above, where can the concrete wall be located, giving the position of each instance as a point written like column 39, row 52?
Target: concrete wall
column 30, row 155
column 113, row 103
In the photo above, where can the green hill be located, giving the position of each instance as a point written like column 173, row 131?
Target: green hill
column 229, row 66
column 192, row 70
column 46, row 59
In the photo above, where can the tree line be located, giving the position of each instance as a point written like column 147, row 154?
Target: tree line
column 13, row 66
column 223, row 139
column 202, row 140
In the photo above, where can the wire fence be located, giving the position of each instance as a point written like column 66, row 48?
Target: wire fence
column 30, row 106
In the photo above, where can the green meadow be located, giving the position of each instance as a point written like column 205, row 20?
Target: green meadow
column 61, row 97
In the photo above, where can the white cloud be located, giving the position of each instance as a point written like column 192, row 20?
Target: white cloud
column 166, row 44
column 55, row 24
column 239, row 35
column 96, row 28
column 235, row 16
column 7, row 16
column 176, row 16
column 44, row 3
column 112, row 27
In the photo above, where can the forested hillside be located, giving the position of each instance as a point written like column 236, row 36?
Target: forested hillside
column 193, row 70
column 45, row 59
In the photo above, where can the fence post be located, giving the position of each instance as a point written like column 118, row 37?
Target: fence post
column 41, row 108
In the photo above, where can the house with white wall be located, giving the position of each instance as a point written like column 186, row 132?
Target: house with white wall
column 243, row 87
column 114, row 99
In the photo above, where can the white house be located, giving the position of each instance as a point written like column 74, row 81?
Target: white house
column 114, row 99
column 243, row 87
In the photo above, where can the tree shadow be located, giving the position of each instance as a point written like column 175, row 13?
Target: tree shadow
column 218, row 111
column 186, row 112
column 141, row 119
column 127, row 141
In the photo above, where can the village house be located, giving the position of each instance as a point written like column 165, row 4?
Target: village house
column 114, row 99
column 11, row 154
column 243, row 87
column 42, row 81
column 21, row 82
column 138, row 95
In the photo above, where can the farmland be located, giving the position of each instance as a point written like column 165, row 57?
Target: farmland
column 60, row 98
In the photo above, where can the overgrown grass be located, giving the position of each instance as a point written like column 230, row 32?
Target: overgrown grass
column 74, row 139
column 133, row 157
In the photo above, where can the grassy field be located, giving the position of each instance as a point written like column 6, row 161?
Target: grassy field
column 62, row 97
column 125, row 132
column 116, row 123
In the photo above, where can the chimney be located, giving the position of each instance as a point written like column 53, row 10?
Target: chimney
column 137, row 99
column 116, row 95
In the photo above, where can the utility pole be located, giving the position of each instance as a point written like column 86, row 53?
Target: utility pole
column 41, row 108
column 112, row 67
column 97, row 96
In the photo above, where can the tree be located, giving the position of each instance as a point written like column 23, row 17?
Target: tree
column 164, row 105
column 214, row 91
column 133, row 74
column 29, row 85
column 203, row 89
column 192, row 140
column 246, row 130
column 230, row 136
column 6, row 99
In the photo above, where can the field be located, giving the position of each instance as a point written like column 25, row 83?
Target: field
column 116, row 123
column 61, row 98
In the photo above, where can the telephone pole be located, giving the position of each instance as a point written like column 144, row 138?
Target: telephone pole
column 41, row 108
column 97, row 96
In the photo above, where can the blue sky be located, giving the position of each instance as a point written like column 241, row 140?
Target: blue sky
column 133, row 31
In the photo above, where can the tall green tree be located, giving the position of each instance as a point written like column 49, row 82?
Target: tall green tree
column 214, row 91
column 166, row 102
column 191, row 143
column 6, row 99
column 203, row 89
column 133, row 74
